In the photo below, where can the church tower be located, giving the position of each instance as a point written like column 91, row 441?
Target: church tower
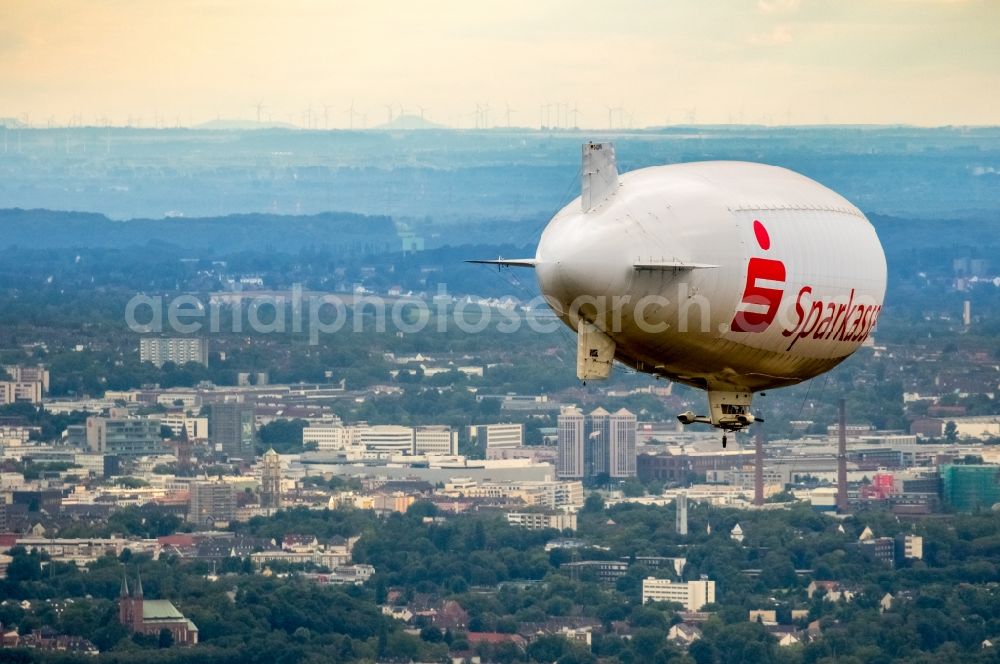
column 124, row 604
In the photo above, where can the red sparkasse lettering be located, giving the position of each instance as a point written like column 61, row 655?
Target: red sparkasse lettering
column 759, row 269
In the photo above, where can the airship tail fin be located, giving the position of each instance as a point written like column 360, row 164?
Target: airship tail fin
column 598, row 174
column 595, row 352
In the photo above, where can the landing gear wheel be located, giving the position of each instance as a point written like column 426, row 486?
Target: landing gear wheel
column 723, row 440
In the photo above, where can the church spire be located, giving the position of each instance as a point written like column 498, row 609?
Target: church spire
column 138, row 586
column 124, row 591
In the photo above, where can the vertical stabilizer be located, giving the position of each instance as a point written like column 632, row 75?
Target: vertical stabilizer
column 599, row 174
column 595, row 352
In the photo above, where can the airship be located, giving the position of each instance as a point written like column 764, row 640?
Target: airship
column 730, row 277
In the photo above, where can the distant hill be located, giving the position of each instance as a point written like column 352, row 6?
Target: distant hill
column 337, row 232
column 240, row 125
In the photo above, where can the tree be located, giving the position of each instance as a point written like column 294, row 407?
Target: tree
column 951, row 431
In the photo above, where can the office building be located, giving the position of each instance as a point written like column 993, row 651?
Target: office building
column 388, row 438
column 185, row 426
column 693, row 595
column 621, row 444
column 124, row 436
column 435, row 440
column 212, row 503
column 570, row 454
column 597, row 436
column 15, row 391
column 681, row 505
column 33, row 374
column 179, row 350
column 233, row 429
column 326, row 436
column 497, row 436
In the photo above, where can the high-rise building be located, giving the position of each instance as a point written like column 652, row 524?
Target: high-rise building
column 179, row 350
column 681, row 505
column 694, row 595
column 621, row 444
column 497, row 436
column 232, row 428
column 601, row 443
column 597, row 443
column 270, row 480
column 212, row 503
column 570, row 453
column 124, row 436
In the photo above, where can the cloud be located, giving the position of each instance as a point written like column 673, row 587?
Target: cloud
column 777, row 6
column 778, row 36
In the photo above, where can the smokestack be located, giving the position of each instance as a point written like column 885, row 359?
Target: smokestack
column 842, row 461
column 758, row 469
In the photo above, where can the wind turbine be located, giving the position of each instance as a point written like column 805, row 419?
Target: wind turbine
column 388, row 108
column 326, row 115
column 350, row 115
column 260, row 107
column 509, row 111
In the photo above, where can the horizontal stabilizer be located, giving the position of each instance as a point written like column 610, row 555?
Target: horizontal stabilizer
column 506, row 262
column 670, row 265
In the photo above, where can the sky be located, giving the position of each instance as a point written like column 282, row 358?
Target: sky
column 653, row 62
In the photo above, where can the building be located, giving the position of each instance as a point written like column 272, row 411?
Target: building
column 152, row 616
column 388, row 438
column 542, row 520
column 270, row 481
column 233, row 427
column 326, row 436
column 621, row 444
column 435, row 440
column 881, row 549
column 968, row 488
column 124, row 436
column 193, row 428
column 179, row 350
column 212, row 503
column 35, row 374
column 15, row 391
column 597, row 443
column 570, row 456
column 694, row 595
column 497, row 436
column 681, row 505
column 606, row 571
column 910, row 547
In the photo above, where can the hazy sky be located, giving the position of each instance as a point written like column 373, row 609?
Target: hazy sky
column 926, row 62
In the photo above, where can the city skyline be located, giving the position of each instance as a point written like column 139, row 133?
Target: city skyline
column 922, row 62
